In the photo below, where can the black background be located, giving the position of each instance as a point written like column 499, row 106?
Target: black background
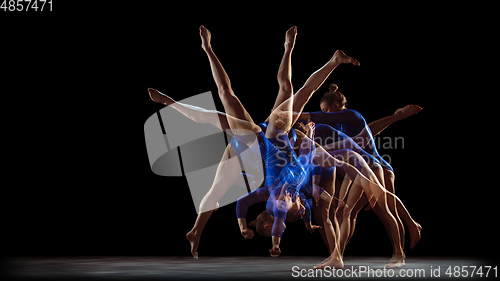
column 78, row 180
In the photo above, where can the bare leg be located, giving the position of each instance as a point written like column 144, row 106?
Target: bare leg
column 197, row 114
column 391, row 203
column 379, row 125
column 227, row 172
column 316, row 80
column 391, row 225
column 355, row 193
column 344, row 189
column 331, row 228
column 330, row 231
column 373, row 188
column 354, row 214
column 283, row 101
column 322, row 215
column 365, row 137
column 224, row 177
column 285, row 70
column 231, row 103
column 204, row 116
column 401, row 211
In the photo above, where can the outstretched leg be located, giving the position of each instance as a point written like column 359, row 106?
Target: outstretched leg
column 376, row 127
column 281, row 116
column 316, row 80
column 365, row 137
column 197, row 114
column 284, row 76
column 231, row 103
column 204, row 116
column 227, row 172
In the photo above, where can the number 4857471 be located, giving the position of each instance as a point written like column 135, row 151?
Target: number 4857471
column 26, row 5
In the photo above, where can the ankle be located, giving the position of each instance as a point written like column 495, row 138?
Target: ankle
column 334, row 62
column 193, row 232
column 207, row 48
column 399, row 256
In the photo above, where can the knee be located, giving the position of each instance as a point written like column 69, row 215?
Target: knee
column 225, row 90
column 347, row 212
column 376, row 168
column 388, row 174
column 325, row 215
column 349, row 156
column 285, row 85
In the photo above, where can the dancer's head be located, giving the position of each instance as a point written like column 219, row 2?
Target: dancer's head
column 333, row 100
column 264, row 221
column 263, row 224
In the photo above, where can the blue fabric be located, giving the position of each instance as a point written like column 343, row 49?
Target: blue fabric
column 346, row 123
column 283, row 169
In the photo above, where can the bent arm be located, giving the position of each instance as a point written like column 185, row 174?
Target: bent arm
column 242, row 223
column 244, row 202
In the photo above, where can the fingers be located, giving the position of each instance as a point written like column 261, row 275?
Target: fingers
column 314, row 227
column 275, row 252
column 247, row 234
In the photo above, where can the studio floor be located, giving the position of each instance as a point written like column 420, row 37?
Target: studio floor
column 238, row 268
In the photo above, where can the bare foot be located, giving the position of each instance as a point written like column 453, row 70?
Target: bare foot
column 415, row 237
column 195, row 242
column 332, row 263
column 290, row 38
column 324, row 261
column 340, row 57
column 158, row 97
column 206, row 36
column 396, row 262
column 407, row 111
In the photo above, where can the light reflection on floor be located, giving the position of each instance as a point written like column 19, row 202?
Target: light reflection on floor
column 175, row 268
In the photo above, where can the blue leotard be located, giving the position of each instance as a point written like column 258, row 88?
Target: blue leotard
column 327, row 135
column 283, row 169
column 351, row 123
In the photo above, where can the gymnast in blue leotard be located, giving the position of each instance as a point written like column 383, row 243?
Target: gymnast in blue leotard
column 239, row 121
column 351, row 123
column 286, row 175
